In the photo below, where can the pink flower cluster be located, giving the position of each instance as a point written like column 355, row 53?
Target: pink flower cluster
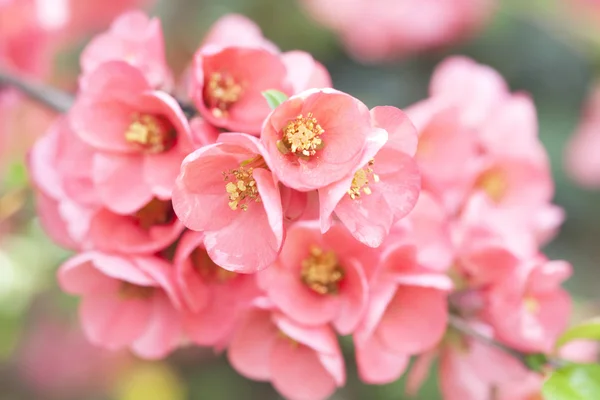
column 270, row 232
column 377, row 30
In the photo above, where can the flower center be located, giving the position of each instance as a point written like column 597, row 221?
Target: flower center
column 302, row 137
column 532, row 305
column 493, row 182
column 241, row 186
column 207, row 267
column 156, row 212
column 153, row 134
column 130, row 291
column 361, row 181
column 221, row 92
column 321, row 271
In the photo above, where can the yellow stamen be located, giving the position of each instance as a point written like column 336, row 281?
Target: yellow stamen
column 532, row 305
column 156, row 212
column 130, row 291
column 207, row 267
column 321, row 271
column 361, row 181
column 494, row 183
column 221, row 92
column 302, row 137
column 241, row 186
column 153, row 134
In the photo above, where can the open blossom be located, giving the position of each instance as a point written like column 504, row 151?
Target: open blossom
column 320, row 278
column 384, row 186
column 236, row 64
column 135, row 39
column 127, row 301
column 70, row 208
column 386, row 29
column 302, row 363
column 529, row 310
column 213, row 297
column 139, row 136
column 227, row 191
column 394, row 327
column 317, row 138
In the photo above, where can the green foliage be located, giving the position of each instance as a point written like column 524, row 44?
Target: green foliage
column 589, row 330
column 574, row 382
column 274, row 98
column 536, row 362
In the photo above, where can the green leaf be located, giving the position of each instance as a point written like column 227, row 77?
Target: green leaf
column 589, row 329
column 574, row 382
column 16, row 176
column 536, row 362
column 274, row 97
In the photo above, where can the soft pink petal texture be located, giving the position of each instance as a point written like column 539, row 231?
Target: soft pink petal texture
column 133, row 38
column 346, row 122
column 477, row 88
column 404, row 330
column 236, row 30
column 549, row 276
column 457, row 378
column 377, row 365
column 162, row 333
column 119, row 180
column 382, row 293
column 298, row 374
column 42, row 159
column 287, row 292
column 103, row 111
column 53, row 222
column 161, row 271
column 79, row 276
column 354, row 293
column 194, row 291
column 112, row 322
column 116, row 233
column 203, row 133
column 304, row 72
column 252, row 345
column 402, row 134
column 255, row 69
column 253, row 239
column 321, row 339
column 199, row 197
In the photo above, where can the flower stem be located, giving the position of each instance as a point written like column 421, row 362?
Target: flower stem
column 53, row 98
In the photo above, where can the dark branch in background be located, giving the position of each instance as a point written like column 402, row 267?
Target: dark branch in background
column 537, row 362
column 57, row 99
column 51, row 97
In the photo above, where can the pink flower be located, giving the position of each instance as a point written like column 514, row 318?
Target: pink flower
column 228, row 82
column 407, row 315
column 384, row 186
column 213, row 296
column 135, row 39
column 140, row 136
column 320, row 278
column 127, row 301
column 529, row 310
column 396, row 28
column 580, row 158
column 317, row 138
column 302, row 363
column 235, row 64
column 61, row 166
column 227, row 191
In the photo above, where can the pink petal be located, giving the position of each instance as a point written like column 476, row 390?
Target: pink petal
column 252, row 345
column 121, row 268
column 79, row 276
column 298, row 374
column 404, row 330
column 402, row 133
column 114, row 323
column 304, row 72
column 162, row 333
column 354, row 293
column 377, row 365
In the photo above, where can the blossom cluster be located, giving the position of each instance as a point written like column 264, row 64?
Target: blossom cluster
column 267, row 228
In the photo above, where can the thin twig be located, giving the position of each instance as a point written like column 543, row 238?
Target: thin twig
column 51, row 97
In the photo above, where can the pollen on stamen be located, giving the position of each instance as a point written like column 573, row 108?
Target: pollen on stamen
column 153, row 134
column 156, row 212
column 361, row 181
column 302, row 137
column 221, row 92
column 321, row 271
column 241, row 188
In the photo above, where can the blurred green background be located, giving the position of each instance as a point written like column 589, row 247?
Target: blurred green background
column 532, row 45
